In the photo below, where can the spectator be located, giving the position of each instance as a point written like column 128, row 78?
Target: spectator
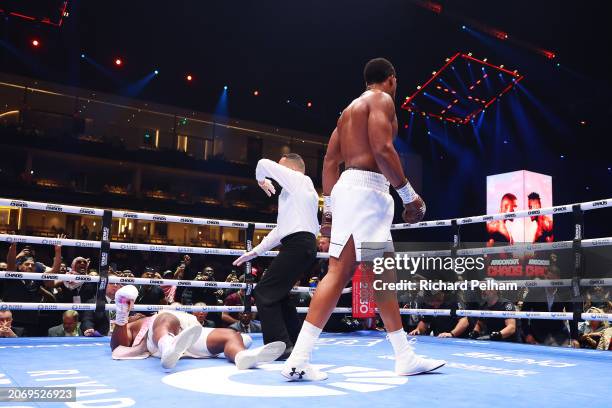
column 169, row 290
column 245, row 324
column 6, row 325
column 546, row 331
column 591, row 331
column 323, row 244
column 491, row 328
column 599, row 297
column 78, row 291
column 3, row 266
column 150, row 294
column 201, row 316
column 185, row 271
column 69, row 327
column 441, row 326
column 30, row 291
column 235, row 299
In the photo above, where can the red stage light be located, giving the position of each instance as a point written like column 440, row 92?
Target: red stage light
column 35, row 43
column 256, row 93
column 189, row 77
column 118, row 62
column 309, row 104
column 548, row 54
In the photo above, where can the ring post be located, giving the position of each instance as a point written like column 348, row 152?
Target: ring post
column 578, row 271
column 107, row 219
column 454, row 247
column 248, row 278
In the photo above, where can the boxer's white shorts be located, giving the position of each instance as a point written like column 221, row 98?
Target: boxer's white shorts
column 186, row 320
column 361, row 207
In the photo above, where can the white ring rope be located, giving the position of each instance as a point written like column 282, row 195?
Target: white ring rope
column 126, row 246
column 586, row 206
column 139, row 281
column 140, row 308
column 499, row 314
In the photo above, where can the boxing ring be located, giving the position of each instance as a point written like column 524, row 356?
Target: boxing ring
column 478, row 373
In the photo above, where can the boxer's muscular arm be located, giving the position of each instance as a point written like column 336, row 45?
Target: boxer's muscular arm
column 331, row 163
column 380, row 134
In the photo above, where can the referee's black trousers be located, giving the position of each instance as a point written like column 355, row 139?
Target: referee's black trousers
column 277, row 313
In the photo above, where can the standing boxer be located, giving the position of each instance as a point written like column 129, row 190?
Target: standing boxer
column 362, row 210
column 296, row 230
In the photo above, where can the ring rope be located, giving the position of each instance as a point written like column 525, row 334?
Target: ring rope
column 499, row 314
column 139, row 281
column 560, row 209
column 135, row 247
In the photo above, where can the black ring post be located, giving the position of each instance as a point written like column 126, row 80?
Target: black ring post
column 248, row 278
column 578, row 272
column 454, row 248
column 107, row 219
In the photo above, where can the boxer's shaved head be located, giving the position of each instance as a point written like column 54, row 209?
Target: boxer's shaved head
column 377, row 71
column 293, row 161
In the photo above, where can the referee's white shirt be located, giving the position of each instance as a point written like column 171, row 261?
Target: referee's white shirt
column 298, row 203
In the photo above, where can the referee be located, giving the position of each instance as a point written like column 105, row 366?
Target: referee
column 296, row 230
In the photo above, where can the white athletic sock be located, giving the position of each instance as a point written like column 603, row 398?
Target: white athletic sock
column 399, row 341
column 166, row 342
column 305, row 343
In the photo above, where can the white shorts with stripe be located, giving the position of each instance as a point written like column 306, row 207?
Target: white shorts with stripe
column 361, row 207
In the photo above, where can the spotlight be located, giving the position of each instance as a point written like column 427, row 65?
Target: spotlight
column 562, row 156
column 225, row 88
column 463, row 27
column 505, row 142
column 156, row 72
column 189, row 77
column 256, row 93
column 428, row 132
column 309, row 104
column 582, row 122
column 35, row 43
column 288, row 101
column 118, row 62
column 558, row 65
column 83, row 56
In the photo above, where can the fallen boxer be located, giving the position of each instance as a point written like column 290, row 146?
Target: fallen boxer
column 170, row 335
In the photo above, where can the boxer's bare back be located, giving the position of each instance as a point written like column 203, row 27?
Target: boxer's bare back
column 363, row 139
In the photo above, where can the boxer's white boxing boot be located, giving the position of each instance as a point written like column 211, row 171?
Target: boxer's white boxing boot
column 172, row 347
column 406, row 361
column 124, row 301
column 302, row 372
column 246, row 359
column 297, row 367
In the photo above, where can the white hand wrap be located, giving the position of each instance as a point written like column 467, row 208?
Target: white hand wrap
column 327, row 208
column 407, row 193
column 123, row 299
